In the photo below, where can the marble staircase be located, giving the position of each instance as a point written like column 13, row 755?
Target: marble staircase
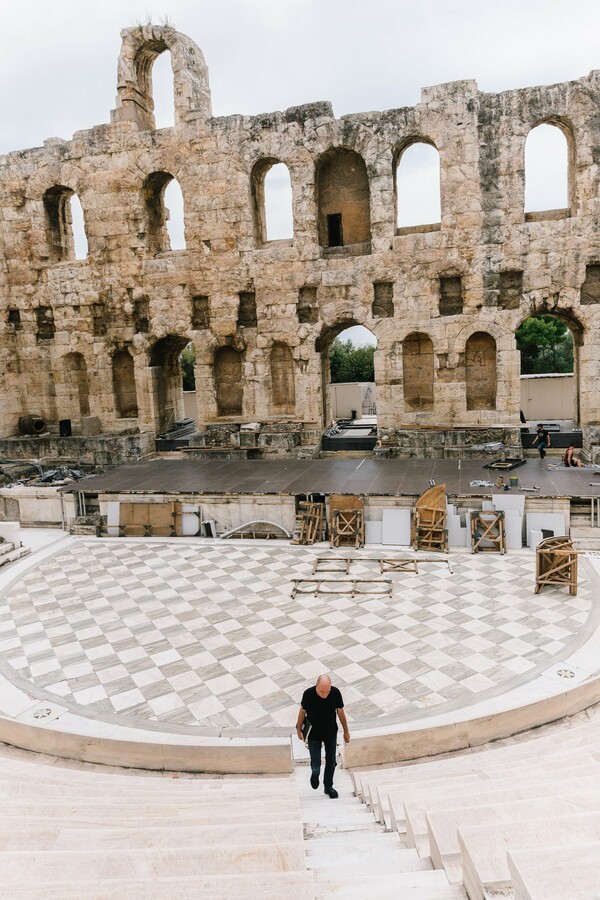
column 11, row 551
column 498, row 820
column 73, row 831
column 352, row 856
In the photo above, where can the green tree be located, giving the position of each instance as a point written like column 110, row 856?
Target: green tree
column 350, row 363
column 546, row 346
column 187, row 361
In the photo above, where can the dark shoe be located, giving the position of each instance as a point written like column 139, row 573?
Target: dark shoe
column 314, row 782
column 543, row 454
column 332, row 793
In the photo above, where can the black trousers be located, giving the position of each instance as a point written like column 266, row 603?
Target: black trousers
column 314, row 748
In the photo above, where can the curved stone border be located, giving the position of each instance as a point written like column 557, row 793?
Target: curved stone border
column 47, row 727
column 528, row 706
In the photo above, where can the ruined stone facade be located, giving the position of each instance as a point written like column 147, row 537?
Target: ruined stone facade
column 101, row 337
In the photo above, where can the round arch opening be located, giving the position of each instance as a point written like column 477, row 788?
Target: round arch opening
column 548, row 344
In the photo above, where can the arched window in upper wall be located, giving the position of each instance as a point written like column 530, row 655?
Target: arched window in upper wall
column 163, row 93
column 418, row 186
column 547, row 169
column 164, row 223
column 65, row 231
column 343, row 200
column 272, row 201
column 480, row 371
column 417, row 371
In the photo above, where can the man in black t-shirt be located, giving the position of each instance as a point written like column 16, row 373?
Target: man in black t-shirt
column 542, row 439
column 320, row 705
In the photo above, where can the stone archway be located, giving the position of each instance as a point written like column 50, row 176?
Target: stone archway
column 166, row 381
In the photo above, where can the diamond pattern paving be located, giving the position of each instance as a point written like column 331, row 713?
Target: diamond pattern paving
column 199, row 634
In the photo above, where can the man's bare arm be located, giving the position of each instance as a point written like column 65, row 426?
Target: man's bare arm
column 301, row 718
column 344, row 724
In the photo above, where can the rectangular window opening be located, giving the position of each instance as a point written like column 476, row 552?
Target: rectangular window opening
column 334, row 230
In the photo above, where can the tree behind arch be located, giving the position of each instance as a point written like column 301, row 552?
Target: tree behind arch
column 546, row 346
column 350, row 363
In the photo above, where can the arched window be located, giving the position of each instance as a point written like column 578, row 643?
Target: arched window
column 417, row 367
column 272, row 201
column 65, row 231
column 283, row 387
column 228, row 381
column 75, row 399
column 124, row 385
column 547, row 169
column 163, row 224
column 480, row 371
column 163, row 95
column 343, row 199
column 418, row 186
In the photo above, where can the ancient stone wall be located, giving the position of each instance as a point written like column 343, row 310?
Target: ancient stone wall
column 101, row 336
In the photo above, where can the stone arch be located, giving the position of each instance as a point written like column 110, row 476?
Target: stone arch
column 166, row 380
column 283, row 380
column 323, row 345
column 124, row 388
column 417, row 186
column 560, row 156
column 268, row 201
column 418, row 371
column 75, row 400
column 140, row 47
column 576, row 331
column 228, row 381
column 157, row 214
column 58, row 212
column 343, row 199
column 480, row 371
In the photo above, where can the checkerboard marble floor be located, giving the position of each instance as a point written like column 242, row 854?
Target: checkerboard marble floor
column 196, row 634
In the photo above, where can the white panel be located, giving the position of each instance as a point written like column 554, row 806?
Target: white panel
column 190, row 522
column 396, row 527
column 533, row 538
column 457, row 534
column 373, row 532
column 509, row 501
column 513, row 528
column 487, row 506
column 552, row 521
column 113, row 518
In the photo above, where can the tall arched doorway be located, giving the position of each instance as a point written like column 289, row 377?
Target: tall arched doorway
column 348, row 373
column 166, row 381
column 549, row 346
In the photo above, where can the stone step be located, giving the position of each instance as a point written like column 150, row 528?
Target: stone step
column 113, row 813
column 414, row 811
column 484, row 847
column 10, row 786
column 556, row 873
column 381, row 861
column 10, row 555
column 506, row 777
column 353, row 841
column 554, row 747
column 443, row 825
column 21, row 835
column 255, row 886
column 48, row 866
column 420, row 885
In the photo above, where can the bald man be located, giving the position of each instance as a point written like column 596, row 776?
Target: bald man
column 320, row 705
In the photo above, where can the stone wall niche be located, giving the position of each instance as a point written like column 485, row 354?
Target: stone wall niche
column 451, row 298
column 343, row 201
column 418, row 371
column 167, row 381
column 480, row 371
column 590, row 289
column 124, row 385
column 383, row 300
column 283, row 386
column 228, row 381
column 74, row 400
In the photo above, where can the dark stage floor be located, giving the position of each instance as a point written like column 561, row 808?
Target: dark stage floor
column 331, row 476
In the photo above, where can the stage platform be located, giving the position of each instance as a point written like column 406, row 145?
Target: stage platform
column 367, row 477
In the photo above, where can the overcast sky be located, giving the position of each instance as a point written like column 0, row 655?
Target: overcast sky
column 58, row 58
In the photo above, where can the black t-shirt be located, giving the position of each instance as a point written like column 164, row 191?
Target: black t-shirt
column 542, row 436
column 321, row 712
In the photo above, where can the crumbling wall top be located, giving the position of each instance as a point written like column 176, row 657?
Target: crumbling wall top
column 140, row 47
